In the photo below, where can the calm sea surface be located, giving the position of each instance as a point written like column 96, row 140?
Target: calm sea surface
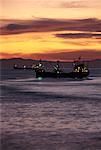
column 50, row 114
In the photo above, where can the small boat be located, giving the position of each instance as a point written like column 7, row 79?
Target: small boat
column 80, row 71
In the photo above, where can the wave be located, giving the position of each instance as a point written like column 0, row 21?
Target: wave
column 57, row 87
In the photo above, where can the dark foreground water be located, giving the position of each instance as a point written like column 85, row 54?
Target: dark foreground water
column 50, row 114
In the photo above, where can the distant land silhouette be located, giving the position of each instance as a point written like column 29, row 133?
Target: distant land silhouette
column 9, row 63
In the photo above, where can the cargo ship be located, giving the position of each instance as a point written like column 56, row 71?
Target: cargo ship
column 79, row 71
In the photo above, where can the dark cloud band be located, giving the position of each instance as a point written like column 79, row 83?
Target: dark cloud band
column 78, row 35
column 49, row 25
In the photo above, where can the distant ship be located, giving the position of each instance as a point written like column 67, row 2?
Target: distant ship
column 23, row 67
column 80, row 71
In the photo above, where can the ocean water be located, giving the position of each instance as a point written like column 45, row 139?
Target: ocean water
column 50, row 114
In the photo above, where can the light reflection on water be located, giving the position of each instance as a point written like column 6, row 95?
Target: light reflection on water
column 81, row 88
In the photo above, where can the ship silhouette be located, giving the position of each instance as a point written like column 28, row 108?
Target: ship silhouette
column 80, row 71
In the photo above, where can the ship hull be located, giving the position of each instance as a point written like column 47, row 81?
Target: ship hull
column 62, row 75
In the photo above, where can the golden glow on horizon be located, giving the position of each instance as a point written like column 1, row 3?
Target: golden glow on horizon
column 45, row 42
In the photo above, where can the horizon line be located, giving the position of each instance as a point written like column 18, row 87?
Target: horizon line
column 49, row 59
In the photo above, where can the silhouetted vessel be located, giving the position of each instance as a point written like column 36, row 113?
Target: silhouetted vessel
column 23, row 67
column 79, row 71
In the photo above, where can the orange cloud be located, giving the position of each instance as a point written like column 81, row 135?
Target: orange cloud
column 80, row 4
column 74, row 4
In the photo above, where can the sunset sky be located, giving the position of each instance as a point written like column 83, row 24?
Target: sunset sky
column 50, row 29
